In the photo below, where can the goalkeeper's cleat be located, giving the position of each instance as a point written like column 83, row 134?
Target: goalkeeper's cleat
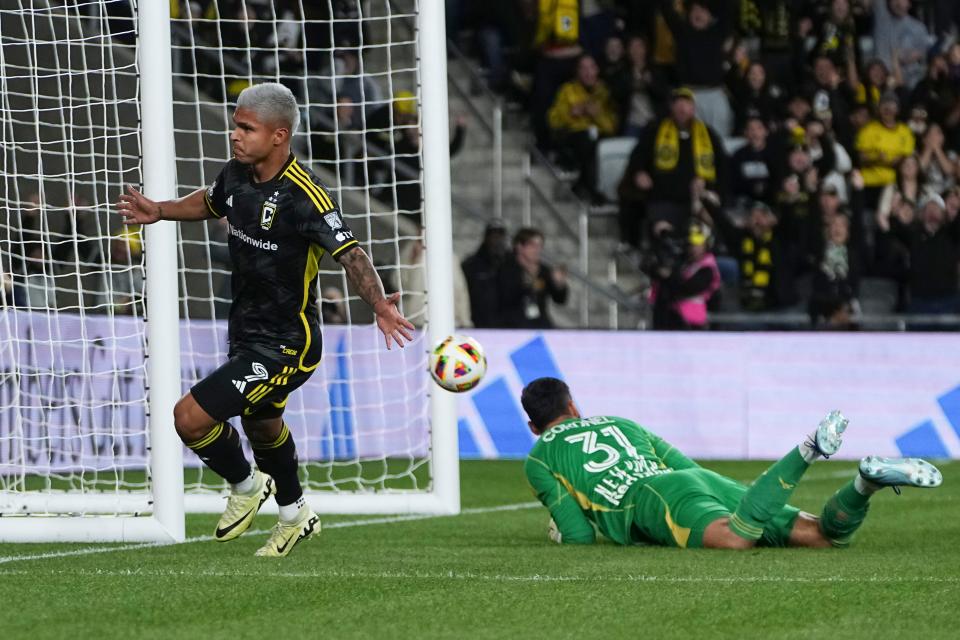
column 243, row 508
column 828, row 437
column 900, row 472
column 285, row 536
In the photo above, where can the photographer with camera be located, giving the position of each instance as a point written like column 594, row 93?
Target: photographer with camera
column 683, row 269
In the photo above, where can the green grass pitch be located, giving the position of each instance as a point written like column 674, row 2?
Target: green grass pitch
column 492, row 574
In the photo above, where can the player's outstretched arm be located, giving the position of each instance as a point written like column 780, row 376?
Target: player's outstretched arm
column 567, row 523
column 367, row 282
column 137, row 208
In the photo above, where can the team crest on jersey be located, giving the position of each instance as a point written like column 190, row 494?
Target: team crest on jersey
column 268, row 212
column 210, row 190
column 333, row 219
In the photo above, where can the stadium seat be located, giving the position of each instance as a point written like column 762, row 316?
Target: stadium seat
column 612, row 157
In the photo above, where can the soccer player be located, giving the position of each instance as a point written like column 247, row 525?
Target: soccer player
column 281, row 221
column 613, row 475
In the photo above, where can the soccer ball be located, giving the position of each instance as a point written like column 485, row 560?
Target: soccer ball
column 457, row 363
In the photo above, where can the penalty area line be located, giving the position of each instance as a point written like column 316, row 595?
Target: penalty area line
column 333, row 525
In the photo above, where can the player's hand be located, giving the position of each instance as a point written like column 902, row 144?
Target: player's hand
column 137, row 208
column 553, row 532
column 393, row 325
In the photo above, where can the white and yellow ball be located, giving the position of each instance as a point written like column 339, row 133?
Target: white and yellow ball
column 457, row 363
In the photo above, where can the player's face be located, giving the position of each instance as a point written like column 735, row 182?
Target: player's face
column 253, row 140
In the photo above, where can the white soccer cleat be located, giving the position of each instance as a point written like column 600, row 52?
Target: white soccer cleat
column 900, row 472
column 828, row 437
column 242, row 508
column 285, row 536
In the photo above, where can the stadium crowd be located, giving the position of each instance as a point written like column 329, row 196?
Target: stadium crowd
column 795, row 147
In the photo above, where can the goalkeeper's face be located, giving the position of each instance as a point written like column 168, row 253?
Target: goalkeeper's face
column 254, row 140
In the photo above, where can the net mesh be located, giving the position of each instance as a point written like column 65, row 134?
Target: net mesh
column 72, row 335
column 361, row 422
column 72, row 331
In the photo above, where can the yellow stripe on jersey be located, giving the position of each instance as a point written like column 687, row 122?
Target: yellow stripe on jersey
column 349, row 245
column 209, row 203
column 319, row 197
column 581, row 498
column 321, row 193
column 310, row 194
column 309, row 273
column 255, row 391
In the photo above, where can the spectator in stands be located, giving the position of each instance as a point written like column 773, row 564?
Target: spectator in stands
column 409, row 197
column 838, row 268
column 795, row 201
column 754, row 96
column 413, row 286
column 395, row 131
column 525, row 283
column 836, row 35
column 899, row 38
column 700, row 41
column 638, row 108
column 682, row 286
column 670, row 155
column 828, row 94
column 351, row 81
column 881, row 145
column 774, row 22
column 557, row 45
column 765, row 259
column 481, row 271
column 340, row 140
column 933, row 243
column 581, row 114
column 938, row 164
column 615, row 72
column 875, row 82
column 752, row 166
column 937, row 93
column 910, row 185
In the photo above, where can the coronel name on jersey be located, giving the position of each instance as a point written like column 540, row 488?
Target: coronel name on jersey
column 266, row 245
column 595, row 421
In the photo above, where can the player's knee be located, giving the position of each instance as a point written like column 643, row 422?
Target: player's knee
column 718, row 535
column 184, row 421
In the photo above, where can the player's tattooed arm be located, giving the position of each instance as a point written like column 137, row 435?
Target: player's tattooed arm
column 366, row 281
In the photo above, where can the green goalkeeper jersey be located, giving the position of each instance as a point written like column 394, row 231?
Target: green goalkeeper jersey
column 587, row 471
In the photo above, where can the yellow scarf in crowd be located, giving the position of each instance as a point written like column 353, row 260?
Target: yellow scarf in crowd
column 667, row 150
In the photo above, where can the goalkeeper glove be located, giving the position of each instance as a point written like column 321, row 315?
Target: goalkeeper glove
column 553, row 532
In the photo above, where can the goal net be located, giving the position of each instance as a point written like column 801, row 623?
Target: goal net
column 79, row 305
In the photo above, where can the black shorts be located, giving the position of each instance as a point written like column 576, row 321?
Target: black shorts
column 250, row 386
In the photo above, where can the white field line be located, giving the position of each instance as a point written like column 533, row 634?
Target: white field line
column 333, row 574
column 333, row 525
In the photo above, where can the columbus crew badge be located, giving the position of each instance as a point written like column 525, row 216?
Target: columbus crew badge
column 268, row 212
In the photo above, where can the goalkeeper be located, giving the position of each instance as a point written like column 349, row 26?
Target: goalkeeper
column 281, row 220
column 611, row 474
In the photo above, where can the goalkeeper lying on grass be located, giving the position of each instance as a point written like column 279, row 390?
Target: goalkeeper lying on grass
column 612, row 474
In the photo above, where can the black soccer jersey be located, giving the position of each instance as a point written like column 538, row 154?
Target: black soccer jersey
column 278, row 231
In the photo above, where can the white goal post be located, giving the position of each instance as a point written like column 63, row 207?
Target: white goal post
column 83, row 481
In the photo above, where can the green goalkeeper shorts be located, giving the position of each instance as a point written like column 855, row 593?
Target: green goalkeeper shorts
column 675, row 508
